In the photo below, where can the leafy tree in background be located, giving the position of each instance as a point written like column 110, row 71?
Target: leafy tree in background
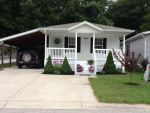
column 128, row 13
column 146, row 25
column 9, row 11
column 22, row 15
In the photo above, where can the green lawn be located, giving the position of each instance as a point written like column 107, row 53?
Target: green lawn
column 7, row 65
column 111, row 88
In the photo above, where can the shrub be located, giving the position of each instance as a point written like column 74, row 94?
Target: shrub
column 57, row 68
column 49, row 69
column 65, row 68
column 57, row 72
column 138, row 69
column 144, row 62
column 91, row 69
column 119, row 70
column 109, row 66
column 102, row 73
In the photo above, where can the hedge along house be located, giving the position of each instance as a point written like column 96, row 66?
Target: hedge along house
column 79, row 42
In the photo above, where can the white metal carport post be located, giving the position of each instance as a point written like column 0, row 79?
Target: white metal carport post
column 45, row 48
column 124, row 50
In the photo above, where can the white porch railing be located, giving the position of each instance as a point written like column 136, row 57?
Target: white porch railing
column 101, row 54
column 60, row 53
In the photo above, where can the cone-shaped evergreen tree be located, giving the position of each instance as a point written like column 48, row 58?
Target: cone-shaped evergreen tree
column 65, row 68
column 49, row 69
column 109, row 66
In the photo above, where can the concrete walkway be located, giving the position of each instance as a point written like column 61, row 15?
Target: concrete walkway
column 28, row 88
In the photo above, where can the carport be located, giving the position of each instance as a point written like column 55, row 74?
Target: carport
column 25, row 40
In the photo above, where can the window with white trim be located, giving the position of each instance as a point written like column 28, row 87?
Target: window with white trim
column 71, row 42
column 98, row 43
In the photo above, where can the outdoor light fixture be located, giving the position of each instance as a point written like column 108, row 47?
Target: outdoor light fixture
column 86, row 38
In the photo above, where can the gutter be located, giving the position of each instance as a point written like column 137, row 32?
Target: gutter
column 145, row 45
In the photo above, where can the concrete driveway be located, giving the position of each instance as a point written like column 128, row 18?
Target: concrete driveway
column 28, row 88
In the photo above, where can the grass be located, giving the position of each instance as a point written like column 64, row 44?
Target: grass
column 111, row 88
column 7, row 65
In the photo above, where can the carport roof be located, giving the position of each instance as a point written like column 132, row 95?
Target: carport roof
column 30, row 38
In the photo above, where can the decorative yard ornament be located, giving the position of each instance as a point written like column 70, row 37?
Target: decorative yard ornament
column 57, row 41
column 129, row 61
column 147, row 73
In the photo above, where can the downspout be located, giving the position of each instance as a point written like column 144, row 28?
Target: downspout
column 145, row 45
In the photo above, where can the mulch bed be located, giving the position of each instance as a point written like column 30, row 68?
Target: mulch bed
column 133, row 84
column 98, row 73
column 59, row 74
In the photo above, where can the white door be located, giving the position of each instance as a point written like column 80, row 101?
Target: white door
column 85, row 54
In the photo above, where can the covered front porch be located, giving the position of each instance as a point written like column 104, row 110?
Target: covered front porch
column 80, row 47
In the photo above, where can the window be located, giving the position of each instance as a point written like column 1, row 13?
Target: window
column 98, row 43
column 127, row 48
column 71, row 42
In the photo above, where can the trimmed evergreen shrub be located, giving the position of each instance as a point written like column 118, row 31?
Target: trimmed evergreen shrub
column 49, row 69
column 65, row 68
column 109, row 66
column 119, row 70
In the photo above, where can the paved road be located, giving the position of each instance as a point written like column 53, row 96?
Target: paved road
column 102, row 110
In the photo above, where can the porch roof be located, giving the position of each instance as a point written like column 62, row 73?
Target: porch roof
column 100, row 27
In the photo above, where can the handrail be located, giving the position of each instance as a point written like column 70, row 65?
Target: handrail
column 101, row 54
column 106, row 49
column 61, row 48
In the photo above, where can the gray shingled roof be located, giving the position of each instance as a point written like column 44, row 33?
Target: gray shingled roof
column 104, row 27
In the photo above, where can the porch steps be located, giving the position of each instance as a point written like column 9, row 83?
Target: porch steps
column 86, row 68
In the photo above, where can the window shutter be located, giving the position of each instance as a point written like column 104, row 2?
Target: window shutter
column 104, row 43
column 78, row 44
column 91, row 48
column 66, row 42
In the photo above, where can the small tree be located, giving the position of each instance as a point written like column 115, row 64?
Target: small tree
column 129, row 61
column 49, row 69
column 109, row 66
column 65, row 68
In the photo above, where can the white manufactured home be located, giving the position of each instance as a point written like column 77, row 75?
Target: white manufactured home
column 79, row 42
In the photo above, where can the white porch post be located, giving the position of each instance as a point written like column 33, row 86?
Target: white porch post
column 76, row 46
column 45, row 47
column 75, row 52
column 95, row 64
column 93, row 42
column 124, row 50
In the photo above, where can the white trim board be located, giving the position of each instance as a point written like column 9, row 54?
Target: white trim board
column 18, row 35
column 87, row 23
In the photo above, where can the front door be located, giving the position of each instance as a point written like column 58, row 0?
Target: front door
column 85, row 54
